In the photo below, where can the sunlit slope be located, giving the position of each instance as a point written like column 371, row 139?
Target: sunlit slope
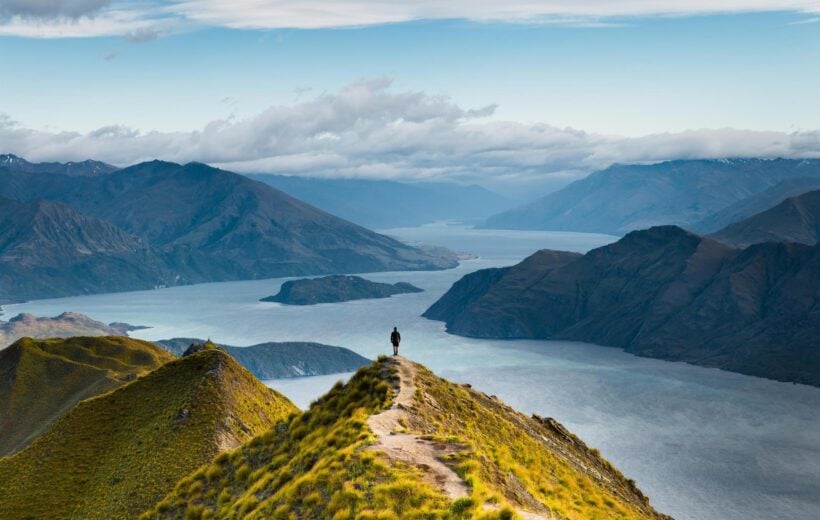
column 42, row 379
column 398, row 442
column 115, row 455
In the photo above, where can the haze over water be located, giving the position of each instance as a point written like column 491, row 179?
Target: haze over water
column 702, row 443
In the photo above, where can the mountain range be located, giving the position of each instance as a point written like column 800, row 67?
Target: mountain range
column 686, row 193
column 166, row 223
column 662, row 292
column 796, row 219
column 381, row 204
column 66, row 325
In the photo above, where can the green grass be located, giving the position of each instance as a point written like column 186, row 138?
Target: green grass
column 510, row 458
column 312, row 466
column 40, row 380
column 117, row 454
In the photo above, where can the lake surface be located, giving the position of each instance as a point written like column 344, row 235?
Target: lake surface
column 701, row 443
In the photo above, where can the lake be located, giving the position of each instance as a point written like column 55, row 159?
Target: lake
column 701, row 443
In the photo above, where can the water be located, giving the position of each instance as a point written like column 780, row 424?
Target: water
column 701, row 443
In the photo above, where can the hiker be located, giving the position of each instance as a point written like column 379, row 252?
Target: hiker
column 395, row 339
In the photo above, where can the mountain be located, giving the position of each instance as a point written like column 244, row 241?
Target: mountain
column 764, row 200
column 72, row 169
column 337, row 288
column 661, row 292
column 285, row 359
column 47, row 249
column 398, row 442
column 387, row 204
column 66, row 325
column 42, row 379
column 623, row 198
column 117, row 454
column 796, row 219
column 214, row 225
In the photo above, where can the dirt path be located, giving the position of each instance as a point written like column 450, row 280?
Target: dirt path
column 412, row 449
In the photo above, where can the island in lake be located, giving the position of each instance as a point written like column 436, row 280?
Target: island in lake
column 335, row 289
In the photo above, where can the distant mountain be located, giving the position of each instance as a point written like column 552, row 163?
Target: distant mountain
column 47, row 249
column 283, row 359
column 623, row 198
column 387, row 204
column 66, row 325
column 796, row 219
column 186, row 224
column 661, row 292
column 764, row 200
column 398, row 442
column 118, row 454
column 335, row 289
column 40, row 380
column 72, row 169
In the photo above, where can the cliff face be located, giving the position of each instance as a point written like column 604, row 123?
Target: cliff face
column 663, row 293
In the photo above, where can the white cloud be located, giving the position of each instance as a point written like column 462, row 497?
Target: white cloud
column 370, row 130
column 89, row 18
column 310, row 14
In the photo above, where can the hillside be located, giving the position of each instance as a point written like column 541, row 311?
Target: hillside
column 115, row 455
column 756, row 204
column 335, row 289
column 47, row 249
column 66, row 325
column 661, row 292
column 796, row 219
column 398, row 442
column 213, row 225
column 381, row 204
column 42, row 379
column 627, row 197
column 283, row 359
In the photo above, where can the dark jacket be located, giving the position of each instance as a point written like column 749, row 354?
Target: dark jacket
column 395, row 337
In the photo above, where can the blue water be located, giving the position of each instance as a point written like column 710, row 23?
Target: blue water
column 701, row 443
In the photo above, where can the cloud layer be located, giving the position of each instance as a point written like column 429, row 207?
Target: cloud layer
column 78, row 18
column 369, row 130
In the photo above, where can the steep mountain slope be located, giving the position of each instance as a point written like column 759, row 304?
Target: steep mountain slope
column 756, row 204
column 217, row 225
column 115, row 455
column 42, row 379
column 73, row 169
column 398, row 442
column 796, row 219
column 66, row 325
column 663, row 293
column 336, row 288
column 387, row 204
column 623, row 198
column 284, row 359
column 48, row 249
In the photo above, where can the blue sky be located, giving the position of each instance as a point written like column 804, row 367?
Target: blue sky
column 563, row 92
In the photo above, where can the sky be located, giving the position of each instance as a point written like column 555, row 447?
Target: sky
column 520, row 91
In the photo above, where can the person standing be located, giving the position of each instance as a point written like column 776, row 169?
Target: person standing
column 395, row 339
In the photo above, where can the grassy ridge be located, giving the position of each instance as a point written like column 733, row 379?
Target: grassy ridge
column 42, row 379
column 115, row 455
column 316, row 465
column 530, row 463
column 312, row 466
